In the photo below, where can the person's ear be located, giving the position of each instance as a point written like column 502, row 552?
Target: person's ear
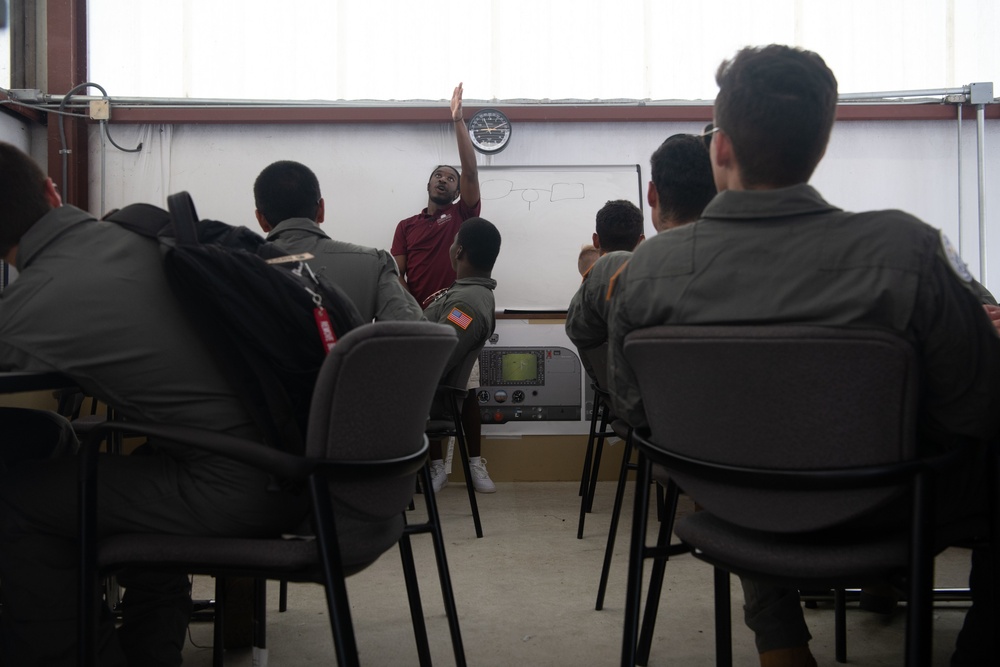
column 652, row 196
column 320, row 211
column 52, row 193
column 722, row 150
column 596, row 240
column 262, row 221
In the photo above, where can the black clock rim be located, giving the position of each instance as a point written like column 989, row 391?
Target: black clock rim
column 506, row 141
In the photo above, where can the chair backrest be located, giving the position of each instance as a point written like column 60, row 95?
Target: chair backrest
column 780, row 397
column 371, row 401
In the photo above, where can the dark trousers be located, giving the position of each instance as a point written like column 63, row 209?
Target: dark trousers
column 175, row 492
column 775, row 613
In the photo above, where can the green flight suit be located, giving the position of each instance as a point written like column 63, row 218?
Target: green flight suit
column 91, row 300
column 587, row 315
column 368, row 276
column 787, row 256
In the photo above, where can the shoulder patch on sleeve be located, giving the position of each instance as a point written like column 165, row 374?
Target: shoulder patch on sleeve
column 460, row 318
column 955, row 260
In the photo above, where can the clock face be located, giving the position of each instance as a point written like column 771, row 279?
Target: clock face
column 489, row 130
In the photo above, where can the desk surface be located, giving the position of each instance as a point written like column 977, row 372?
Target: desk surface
column 12, row 382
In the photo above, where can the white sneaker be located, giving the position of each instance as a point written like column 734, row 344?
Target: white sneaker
column 481, row 481
column 439, row 478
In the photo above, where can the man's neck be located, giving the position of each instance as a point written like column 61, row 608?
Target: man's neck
column 433, row 207
column 470, row 272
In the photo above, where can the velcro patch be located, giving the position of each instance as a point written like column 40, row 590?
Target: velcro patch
column 459, row 318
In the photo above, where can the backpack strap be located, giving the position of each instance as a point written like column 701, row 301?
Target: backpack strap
column 185, row 218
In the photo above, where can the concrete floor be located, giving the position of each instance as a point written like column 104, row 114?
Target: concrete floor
column 526, row 594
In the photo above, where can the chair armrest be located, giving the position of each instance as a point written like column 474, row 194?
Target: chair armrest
column 250, row 452
column 281, row 464
column 869, row 476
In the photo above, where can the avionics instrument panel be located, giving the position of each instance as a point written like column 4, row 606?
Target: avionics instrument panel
column 529, row 384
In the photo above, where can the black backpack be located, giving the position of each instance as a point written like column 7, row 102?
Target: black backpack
column 268, row 320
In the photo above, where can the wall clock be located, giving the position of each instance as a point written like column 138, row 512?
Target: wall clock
column 489, row 130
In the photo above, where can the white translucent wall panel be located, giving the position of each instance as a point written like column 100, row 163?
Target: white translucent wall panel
column 509, row 49
column 372, row 176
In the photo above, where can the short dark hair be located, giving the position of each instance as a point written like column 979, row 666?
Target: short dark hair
column 286, row 189
column 619, row 225
column 22, row 193
column 682, row 175
column 480, row 239
column 444, row 166
column 777, row 105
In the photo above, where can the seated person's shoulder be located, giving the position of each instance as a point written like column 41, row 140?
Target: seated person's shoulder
column 891, row 223
column 610, row 262
column 463, row 314
column 892, row 232
column 344, row 247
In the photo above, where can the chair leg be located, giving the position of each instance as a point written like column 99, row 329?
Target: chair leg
column 840, row 624
column 260, row 621
column 587, row 502
column 338, row 605
column 668, row 507
column 451, row 611
column 918, row 605
column 723, row 622
column 637, row 548
column 219, row 623
column 464, row 454
column 413, row 596
column 596, row 467
column 463, row 450
column 282, row 595
column 585, row 475
column 609, row 549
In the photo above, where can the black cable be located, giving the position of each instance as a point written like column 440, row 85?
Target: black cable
column 63, row 151
column 107, row 133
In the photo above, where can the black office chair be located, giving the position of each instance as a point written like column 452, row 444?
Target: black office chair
column 363, row 450
column 446, row 422
column 784, row 431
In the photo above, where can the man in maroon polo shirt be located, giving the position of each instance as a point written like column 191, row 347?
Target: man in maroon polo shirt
column 421, row 248
column 420, row 244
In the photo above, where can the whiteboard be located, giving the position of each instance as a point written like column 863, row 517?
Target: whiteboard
column 545, row 214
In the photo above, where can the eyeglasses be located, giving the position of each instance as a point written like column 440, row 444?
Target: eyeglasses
column 706, row 136
column 709, row 131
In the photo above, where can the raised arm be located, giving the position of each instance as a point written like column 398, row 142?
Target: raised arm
column 469, row 180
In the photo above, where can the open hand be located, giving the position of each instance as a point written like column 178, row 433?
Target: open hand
column 456, row 103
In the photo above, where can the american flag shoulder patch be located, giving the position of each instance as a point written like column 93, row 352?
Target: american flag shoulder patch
column 459, row 318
